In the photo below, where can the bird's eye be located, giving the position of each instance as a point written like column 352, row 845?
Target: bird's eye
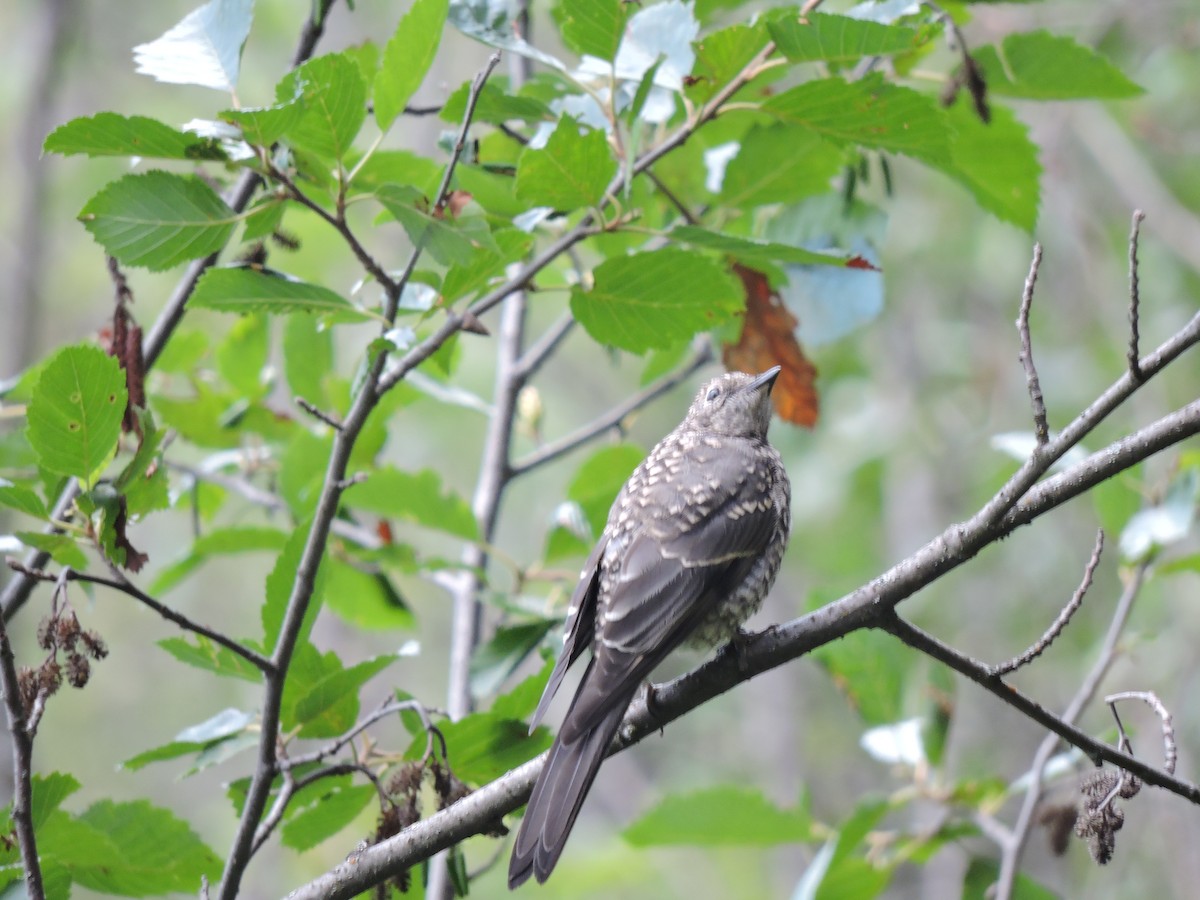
column 713, row 394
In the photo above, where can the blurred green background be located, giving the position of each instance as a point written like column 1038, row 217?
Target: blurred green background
column 910, row 404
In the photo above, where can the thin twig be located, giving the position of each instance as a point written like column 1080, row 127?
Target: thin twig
column 120, row 583
column 387, row 709
column 303, row 584
column 1135, row 366
column 614, row 416
column 1041, row 429
column 543, row 348
column 1012, row 849
column 22, row 747
column 317, row 413
column 1170, row 746
column 1064, row 616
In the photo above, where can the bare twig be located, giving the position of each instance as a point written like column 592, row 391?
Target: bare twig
column 22, row 744
column 542, row 349
column 1041, row 429
column 120, row 583
column 304, row 582
column 387, row 709
column 614, row 416
column 1012, row 848
column 1135, row 366
column 1170, row 747
column 318, row 414
column 1056, row 627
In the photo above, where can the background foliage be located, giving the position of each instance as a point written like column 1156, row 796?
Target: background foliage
column 768, row 791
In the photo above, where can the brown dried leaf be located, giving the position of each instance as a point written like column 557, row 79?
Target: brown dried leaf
column 768, row 339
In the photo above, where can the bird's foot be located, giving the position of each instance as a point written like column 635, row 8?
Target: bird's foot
column 737, row 648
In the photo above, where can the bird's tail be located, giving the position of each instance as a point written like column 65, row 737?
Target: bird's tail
column 558, row 796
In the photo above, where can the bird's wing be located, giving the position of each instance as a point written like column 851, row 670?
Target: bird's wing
column 581, row 626
column 666, row 583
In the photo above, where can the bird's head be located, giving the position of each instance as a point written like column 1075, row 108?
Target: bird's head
column 735, row 404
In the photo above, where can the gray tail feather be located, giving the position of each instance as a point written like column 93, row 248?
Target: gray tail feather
column 558, row 796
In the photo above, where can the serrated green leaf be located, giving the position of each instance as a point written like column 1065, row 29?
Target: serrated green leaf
column 1038, row 65
column 869, row 112
column 242, row 356
column 979, row 883
column 997, row 163
column 490, row 23
column 307, row 358
column 334, row 96
column 869, row 667
column 49, row 791
column 205, row 48
column 721, row 55
column 416, row 497
column 263, row 126
column 752, row 252
column 76, row 411
column 243, row 290
column 834, row 38
column 592, row 27
column 570, row 172
column 330, row 706
column 157, row 220
column 485, row 265
column 110, row 134
column 445, row 239
column 22, row 499
column 366, row 600
column 719, row 816
column 326, row 816
column 63, row 549
column 398, row 167
column 407, row 58
column 631, row 306
column 236, row 539
column 493, row 661
column 202, row 653
column 483, row 746
column 779, row 163
column 598, row 480
column 222, row 727
column 495, row 105
column 155, row 853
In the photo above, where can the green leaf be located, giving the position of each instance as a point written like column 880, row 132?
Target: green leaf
column 448, row 244
column 22, row 499
column 415, row 497
column 598, row 480
column 834, row 38
column 719, row 816
column 753, row 252
column 307, row 358
column 205, row 48
column 330, row 706
column 592, row 27
column 110, row 134
column 723, row 54
column 495, row 105
column 366, row 600
column 779, row 163
column 242, row 356
column 489, row 22
column 326, row 816
column 853, row 878
column 485, row 265
column 223, row 727
column 156, row 853
column 242, row 290
column 869, row 112
column 398, row 167
column 334, row 96
column 76, row 411
column 483, row 746
column 980, row 881
column 869, row 667
column 63, row 548
column 522, row 700
column 407, row 58
column 49, row 791
column 1037, row 65
column 570, row 172
column 202, row 653
column 494, row 661
column 157, row 220
column 263, row 126
column 234, row 539
column 997, row 163
column 629, row 307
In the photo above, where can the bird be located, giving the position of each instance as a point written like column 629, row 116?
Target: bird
column 691, row 547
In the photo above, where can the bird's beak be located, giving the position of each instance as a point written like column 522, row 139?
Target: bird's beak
column 765, row 380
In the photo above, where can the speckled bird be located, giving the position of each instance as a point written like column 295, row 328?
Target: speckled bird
column 691, row 547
